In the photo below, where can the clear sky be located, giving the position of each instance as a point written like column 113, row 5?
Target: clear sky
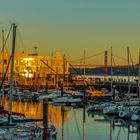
column 70, row 26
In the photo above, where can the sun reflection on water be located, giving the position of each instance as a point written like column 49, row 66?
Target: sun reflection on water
column 35, row 110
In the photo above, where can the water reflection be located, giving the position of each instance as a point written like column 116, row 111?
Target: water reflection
column 35, row 110
column 119, row 129
column 78, row 124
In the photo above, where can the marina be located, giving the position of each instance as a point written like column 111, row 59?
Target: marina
column 69, row 70
column 72, row 124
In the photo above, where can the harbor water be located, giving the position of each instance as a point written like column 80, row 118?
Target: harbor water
column 78, row 124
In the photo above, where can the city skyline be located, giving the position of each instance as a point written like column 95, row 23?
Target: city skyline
column 70, row 27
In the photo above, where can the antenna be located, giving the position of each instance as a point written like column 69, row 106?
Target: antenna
column 36, row 50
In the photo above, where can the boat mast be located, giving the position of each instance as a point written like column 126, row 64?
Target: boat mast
column 111, row 71
column 3, row 67
column 84, row 65
column 128, row 54
column 139, row 76
column 64, row 68
column 12, row 72
column 84, row 118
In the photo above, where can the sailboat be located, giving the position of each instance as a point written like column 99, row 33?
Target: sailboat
column 17, row 127
column 136, row 115
column 9, row 133
column 67, row 100
column 2, row 111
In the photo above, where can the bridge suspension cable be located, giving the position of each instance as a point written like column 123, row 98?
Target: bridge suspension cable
column 88, row 57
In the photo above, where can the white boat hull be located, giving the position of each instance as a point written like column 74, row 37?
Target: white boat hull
column 125, row 114
column 111, row 110
column 135, row 117
column 66, row 100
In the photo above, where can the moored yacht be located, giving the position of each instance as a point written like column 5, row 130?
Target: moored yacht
column 110, row 110
column 127, row 112
column 67, row 100
column 136, row 115
column 98, row 107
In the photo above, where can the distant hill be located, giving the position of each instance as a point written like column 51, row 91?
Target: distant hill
column 100, row 71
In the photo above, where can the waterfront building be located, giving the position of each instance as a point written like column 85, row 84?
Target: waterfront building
column 33, row 69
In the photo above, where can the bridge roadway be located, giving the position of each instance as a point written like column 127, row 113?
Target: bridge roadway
column 100, row 65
